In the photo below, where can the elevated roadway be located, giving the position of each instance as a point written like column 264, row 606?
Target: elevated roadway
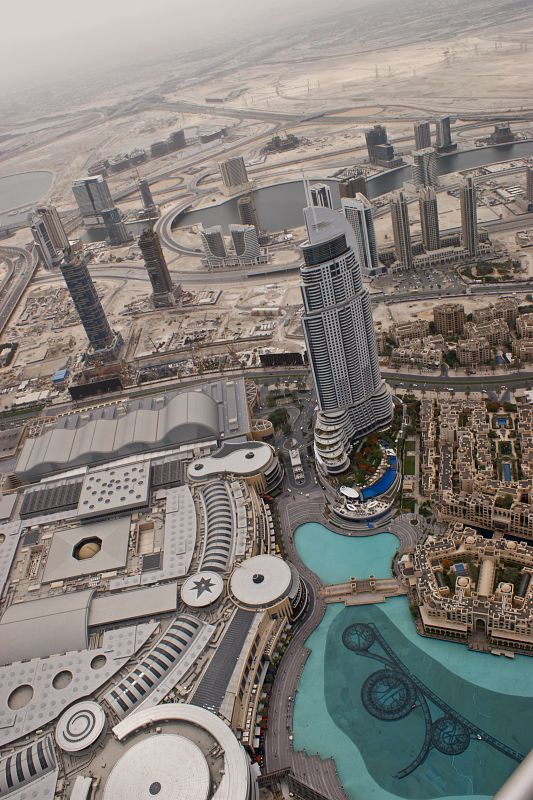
column 23, row 265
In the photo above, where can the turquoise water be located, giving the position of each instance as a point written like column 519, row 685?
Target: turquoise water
column 377, row 697
column 336, row 558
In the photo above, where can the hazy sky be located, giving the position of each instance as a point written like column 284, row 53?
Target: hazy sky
column 45, row 36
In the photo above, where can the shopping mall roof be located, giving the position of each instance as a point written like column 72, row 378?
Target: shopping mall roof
column 235, row 458
column 261, row 581
column 216, row 411
column 41, row 628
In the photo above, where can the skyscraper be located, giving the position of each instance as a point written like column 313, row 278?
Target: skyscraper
column 401, row 230
column 375, row 136
column 97, row 207
column 50, row 256
column 156, row 266
column 425, row 167
column 422, row 135
column 87, row 303
column 49, row 235
column 429, row 218
column 146, row 195
column 469, row 232
column 54, row 226
column 115, row 228
column 360, row 214
column 92, row 196
column 247, row 211
column 352, row 185
column 320, row 194
column 234, row 174
column 245, row 241
column 444, row 133
column 214, row 245
column 529, row 183
column 339, row 333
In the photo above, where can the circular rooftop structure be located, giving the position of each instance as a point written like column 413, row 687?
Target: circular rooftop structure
column 202, row 589
column 261, row 581
column 176, row 751
column 80, row 726
column 165, row 766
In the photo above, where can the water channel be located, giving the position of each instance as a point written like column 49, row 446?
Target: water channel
column 280, row 207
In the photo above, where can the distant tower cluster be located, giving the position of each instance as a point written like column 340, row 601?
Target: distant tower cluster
column 429, row 218
column 422, row 135
column 104, row 343
column 359, row 213
column 97, row 208
column 425, row 170
column 320, row 195
column 49, row 235
column 234, row 175
column 163, row 291
column 469, row 231
column 401, row 230
column 339, row 333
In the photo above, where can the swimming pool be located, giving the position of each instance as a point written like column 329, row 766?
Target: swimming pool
column 506, row 471
column 403, row 715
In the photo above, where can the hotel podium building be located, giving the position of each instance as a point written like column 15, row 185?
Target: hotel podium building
column 353, row 400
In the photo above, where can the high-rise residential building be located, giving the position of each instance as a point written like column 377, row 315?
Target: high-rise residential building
column 115, row 228
column 375, row 136
column 214, row 245
column 50, row 256
column 247, row 211
column 401, row 230
column 339, row 333
column 352, row 185
column 234, row 175
column 425, row 172
column 163, row 291
column 49, row 235
column 92, row 196
column 146, row 195
column 429, row 218
column 449, row 319
column 97, row 208
column 529, row 183
column 87, row 303
column 360, row 214
column 245, row 241
column 54, row 226
column 320, row 194
column 422, row 134
column 469, row 231
column 444, row 133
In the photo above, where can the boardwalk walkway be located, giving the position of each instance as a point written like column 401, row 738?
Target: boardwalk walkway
column 362, row 592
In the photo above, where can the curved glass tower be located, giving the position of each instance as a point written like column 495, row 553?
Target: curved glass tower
column 353, row 400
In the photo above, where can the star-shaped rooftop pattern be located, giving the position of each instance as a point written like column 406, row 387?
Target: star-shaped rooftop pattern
column 203, row 585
